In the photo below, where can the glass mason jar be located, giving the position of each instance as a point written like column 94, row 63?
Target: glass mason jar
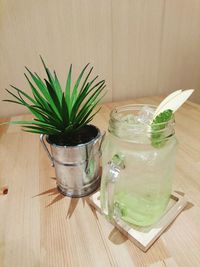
column 138, row 166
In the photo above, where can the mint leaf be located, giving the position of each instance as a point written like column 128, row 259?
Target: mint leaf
column 158, row 124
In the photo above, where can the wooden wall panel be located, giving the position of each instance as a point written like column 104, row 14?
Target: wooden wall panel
column 156, row 47
column 63, row 31
column 180, row 51
column 137, row 29
column 140, row 47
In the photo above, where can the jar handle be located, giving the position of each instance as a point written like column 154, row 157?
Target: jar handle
column 46, row 149
column 112, row 171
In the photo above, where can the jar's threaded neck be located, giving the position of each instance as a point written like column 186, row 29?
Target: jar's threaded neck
column 129, row 122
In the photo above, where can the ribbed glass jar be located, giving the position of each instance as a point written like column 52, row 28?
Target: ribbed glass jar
column 138, row 166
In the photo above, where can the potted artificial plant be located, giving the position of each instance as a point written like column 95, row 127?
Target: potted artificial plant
column 62, row 119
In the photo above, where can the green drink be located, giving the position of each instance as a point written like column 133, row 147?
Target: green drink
column 137, row 176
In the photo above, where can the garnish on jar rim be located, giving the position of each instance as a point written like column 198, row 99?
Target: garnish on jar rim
column 164, row 113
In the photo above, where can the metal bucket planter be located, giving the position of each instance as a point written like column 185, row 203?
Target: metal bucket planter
column 77, row 167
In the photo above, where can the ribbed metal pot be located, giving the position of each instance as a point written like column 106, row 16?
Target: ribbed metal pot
column 77, row 167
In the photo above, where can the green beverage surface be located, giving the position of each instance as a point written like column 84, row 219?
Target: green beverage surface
column 140, row 210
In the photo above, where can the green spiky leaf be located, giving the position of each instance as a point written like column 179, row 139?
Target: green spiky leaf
column 58, row 112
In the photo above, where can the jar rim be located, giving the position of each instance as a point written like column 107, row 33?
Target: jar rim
column 135, row 107
column 131, row 130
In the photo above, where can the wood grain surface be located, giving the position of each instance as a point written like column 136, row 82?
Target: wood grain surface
column 41, row 228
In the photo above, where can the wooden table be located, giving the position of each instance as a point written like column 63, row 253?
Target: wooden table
column 40, row 227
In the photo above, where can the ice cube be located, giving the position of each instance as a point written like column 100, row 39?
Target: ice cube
column 129, row 118
column 145, row 115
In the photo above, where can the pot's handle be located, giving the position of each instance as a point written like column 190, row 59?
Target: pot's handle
column 112, row 171
column 102, row 139
column 46, row 149
column 102, row 135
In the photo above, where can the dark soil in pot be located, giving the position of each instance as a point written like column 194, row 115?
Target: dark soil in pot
column 81, row 136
